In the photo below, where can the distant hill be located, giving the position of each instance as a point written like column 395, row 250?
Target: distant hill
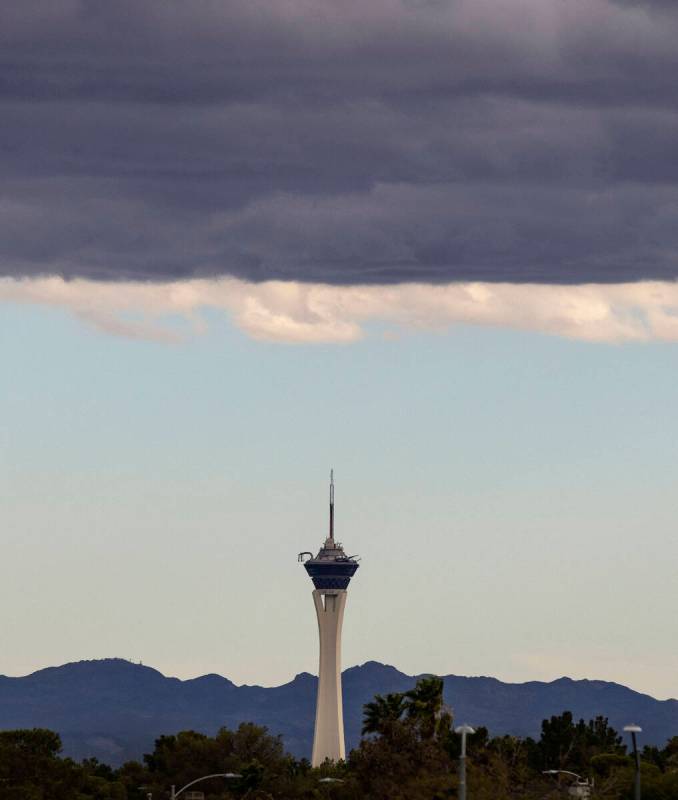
column 113, row 709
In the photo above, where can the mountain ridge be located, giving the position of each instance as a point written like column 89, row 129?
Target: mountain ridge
column 114, row 709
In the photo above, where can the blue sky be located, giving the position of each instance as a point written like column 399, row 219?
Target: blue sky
column 512, row 495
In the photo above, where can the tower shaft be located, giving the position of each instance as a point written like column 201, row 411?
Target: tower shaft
column 328, row 738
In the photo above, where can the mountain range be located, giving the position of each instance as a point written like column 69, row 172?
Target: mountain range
column 114, row 709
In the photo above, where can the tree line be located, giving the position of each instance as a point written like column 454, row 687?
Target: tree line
column 409, row 751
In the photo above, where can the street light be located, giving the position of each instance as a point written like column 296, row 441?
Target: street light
column 582, row 788
column 633, row 730
column 228, row 775
column 464, row 730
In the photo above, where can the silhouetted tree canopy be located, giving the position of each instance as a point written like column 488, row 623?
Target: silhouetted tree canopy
column 410, row 752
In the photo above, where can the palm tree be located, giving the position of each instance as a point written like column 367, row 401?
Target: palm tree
column 382, row 713
column 424, row 705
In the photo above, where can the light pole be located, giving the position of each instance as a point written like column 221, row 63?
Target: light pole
column 228, row 775
column 633, row 730
column 582, row 788
column 464, row 730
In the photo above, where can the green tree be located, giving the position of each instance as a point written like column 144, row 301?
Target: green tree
column 424, row 707
column 666, row 758
column 382, row 713
column 30, row 767
column 568, row 746
column 400, row 766
column 249, row 751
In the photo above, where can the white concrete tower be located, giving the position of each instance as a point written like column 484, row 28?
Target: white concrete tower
column 331, row 571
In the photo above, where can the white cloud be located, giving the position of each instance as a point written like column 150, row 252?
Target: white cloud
column 293, row 312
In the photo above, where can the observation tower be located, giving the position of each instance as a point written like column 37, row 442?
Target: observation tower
column 331, row 572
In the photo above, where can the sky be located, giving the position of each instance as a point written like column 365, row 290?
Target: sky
column 429, row 243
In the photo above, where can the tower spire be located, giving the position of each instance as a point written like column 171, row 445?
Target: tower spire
column 332, row 505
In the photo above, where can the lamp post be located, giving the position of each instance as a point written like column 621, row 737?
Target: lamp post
column 228, row 775
column 463, row 730
column 582, row 788
column 633, row 730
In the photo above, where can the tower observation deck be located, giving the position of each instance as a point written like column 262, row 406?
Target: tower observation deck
column 331, row 572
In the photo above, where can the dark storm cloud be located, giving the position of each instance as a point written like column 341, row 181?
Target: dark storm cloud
column 340, row 141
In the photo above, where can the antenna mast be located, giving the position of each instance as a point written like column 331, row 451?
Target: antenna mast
column 332, row 505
